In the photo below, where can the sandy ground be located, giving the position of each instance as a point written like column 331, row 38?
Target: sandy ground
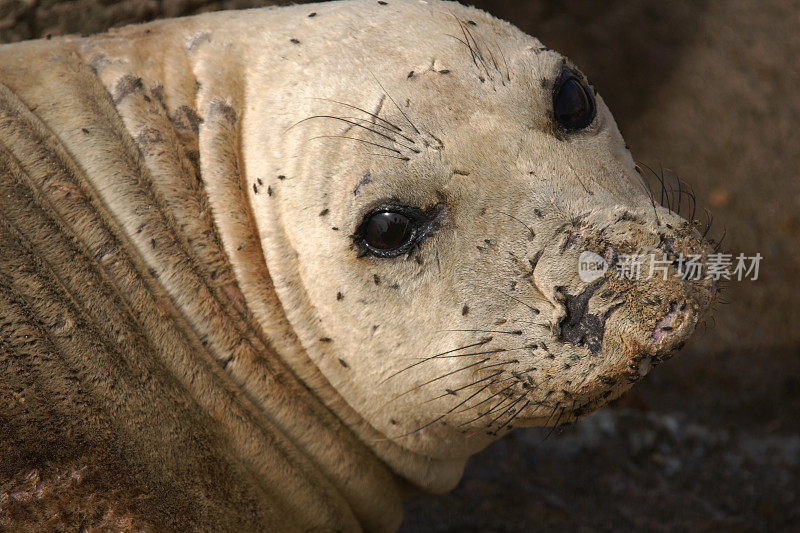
column 711, row 440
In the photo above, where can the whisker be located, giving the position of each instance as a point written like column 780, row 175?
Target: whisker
column 516, row 332
column 428, row 383
column 357, row 140
column 491, row 55
column 467, row 35
column 499, row 350
column 555, row 425
column 503, row 57
column 649, row 192
column 390, row 130
column 555, row 408
column 671, row 193
column 514, row 376
column 694, row 202
column 484, row 401
column 536, row 311
column 453, row 391
column 664, row 194
column 515, row 415
column 502, row 363
column 489, row 352
column 450, row 411
column 488, row 49
column 357, row 125
column 510, row 407
column 533, row 233
column 497, row 406
column 680, row 192
column 389, row 96
column 480, row 343
column 373, row 115
column 688, row 192
column 719, row 244
column 399, row 158
column 465, row 44
column 691, row 197
column 441, row 377
column 418, row 429
column 531, row 323
column 667, row 196
column 580, row 178
column 709, row 222
column 474, row 52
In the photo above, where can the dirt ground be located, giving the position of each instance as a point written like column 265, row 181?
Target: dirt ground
column 710, row 440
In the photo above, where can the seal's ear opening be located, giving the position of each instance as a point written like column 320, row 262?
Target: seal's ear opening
column 573, row 102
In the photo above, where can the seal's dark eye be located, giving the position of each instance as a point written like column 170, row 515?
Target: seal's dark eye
column 395, row 230
column 573, row 104
column 387, row 231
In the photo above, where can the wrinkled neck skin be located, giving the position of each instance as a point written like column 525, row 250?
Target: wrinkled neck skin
column 306, row 123
column 211, row 73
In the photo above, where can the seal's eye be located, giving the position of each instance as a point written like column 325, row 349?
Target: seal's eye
column 387, row 231
column 573, row 103
column 394, row 230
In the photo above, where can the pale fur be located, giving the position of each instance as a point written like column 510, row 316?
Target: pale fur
column 332, row 382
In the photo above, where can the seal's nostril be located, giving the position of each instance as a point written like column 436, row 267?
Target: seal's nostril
column 665, row 325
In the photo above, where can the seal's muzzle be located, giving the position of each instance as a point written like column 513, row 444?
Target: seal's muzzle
column 625, row 293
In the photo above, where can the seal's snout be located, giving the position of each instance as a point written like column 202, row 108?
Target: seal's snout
column 626, row 292
column 658, row 277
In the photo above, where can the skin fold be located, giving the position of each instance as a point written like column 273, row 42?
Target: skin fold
column 190, row 321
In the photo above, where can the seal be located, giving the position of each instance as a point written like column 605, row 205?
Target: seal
column 276, row 269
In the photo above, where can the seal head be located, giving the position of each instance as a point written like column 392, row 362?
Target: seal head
column 283, row 264
column 428, row 209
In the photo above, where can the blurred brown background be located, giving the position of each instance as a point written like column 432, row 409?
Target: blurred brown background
column 710, row 440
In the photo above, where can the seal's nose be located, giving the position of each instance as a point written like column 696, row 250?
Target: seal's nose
column 665, row 327
column 622, row 298
column 641, row 298
column 665, row 296
column 671, row 327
